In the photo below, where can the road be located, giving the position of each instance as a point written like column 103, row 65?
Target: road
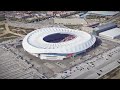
column 8, row 31
column 113, row 18
column 100, row 67
column 105, row 66
column 113, row 40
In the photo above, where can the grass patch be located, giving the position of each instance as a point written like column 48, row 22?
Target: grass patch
column 2, row 26
column 27, row 30
column 9, row 35
column 73, row 26
column 11, row 27
column 5, row 39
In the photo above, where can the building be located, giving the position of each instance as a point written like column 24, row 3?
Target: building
column 101, row 13
column 70, row 21
column 56, row 43
column 111, row 34
column 104, row 27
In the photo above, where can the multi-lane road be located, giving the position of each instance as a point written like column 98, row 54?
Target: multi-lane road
column 94, row 68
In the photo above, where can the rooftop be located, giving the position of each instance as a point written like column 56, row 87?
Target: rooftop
column 103, row 12
column 111, row 33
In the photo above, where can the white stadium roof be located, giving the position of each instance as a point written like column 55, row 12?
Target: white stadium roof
column 34, row 43
column 112, row 33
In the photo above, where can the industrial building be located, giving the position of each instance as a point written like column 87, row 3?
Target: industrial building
column 101, row 13
column 104, row 27
column 70, row 21
column 111, row 34
column 55, row 43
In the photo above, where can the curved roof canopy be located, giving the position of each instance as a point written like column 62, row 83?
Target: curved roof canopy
column 35, row 41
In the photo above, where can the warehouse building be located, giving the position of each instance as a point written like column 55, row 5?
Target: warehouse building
column 70, row 21
column 104, row 13
column 103, row 28
column 111, row 34
column 100, row 13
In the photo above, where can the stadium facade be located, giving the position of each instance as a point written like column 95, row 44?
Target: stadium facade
column 56, row 43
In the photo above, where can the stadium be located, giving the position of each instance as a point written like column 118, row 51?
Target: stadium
column 55, row 43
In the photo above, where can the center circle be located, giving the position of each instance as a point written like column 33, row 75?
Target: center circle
column 58, row 37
